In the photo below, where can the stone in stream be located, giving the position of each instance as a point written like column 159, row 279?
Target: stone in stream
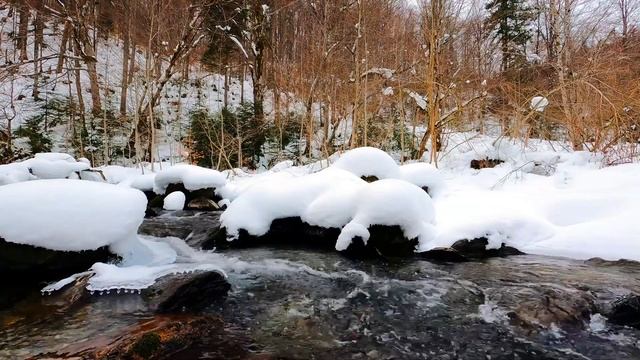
column 536, row 306
column 625, row 311
column 201, row 199
column 468, row 250
column 191, row 292
column 167, row 337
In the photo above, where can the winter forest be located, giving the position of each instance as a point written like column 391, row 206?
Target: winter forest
column 330, row 179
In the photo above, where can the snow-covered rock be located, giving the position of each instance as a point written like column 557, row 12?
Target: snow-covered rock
column 42, row 166
column 174, row 201
column 332, row 198
column 191, row 176
column 74, row 215
column 390, row 202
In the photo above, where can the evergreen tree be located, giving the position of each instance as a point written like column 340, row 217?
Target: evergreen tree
column 510, row 20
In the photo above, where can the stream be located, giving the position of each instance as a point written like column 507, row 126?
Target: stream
column 310, row 304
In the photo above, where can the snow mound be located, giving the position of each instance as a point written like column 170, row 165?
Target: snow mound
column 191, row 176
column 174, row 201
column 332, row 198
column 423, row 175
column 74, row 215
column 42, row 166
column 368, row 161
column 390, row 202
column 13, row 173
column 143, row 182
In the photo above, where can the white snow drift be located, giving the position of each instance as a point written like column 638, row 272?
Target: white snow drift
column 41, row 166
column 75, row 215
column 191, row 176
column 332, row 198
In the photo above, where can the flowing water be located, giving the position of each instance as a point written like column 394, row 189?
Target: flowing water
column 303, row 304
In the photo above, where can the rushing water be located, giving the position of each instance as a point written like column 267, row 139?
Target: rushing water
column 307, row 304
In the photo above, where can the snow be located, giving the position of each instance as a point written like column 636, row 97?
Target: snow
column 423, row 175
column 44, row 168
column 174, row 201
column 333, row 197
column 71, row 215
column 368, row 161
column 191, row 176
column 390, row 202
column 539, row 103
column 41, row 166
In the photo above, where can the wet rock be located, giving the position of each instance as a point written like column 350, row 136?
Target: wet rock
column 172, row 337
column 443, row 255
column 384, row 241
column 190, row 293
column 622, row 262
column 485, row 163
column 191, row 195
column 538, row 306
column 33, row 263
column 203, row 204
column 626, row 311
column 193, row 227
column 477, row 249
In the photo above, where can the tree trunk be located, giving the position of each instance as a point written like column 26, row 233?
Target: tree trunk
column 23, row 29
column 126, row 34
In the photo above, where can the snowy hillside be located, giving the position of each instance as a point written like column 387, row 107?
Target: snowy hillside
column 201, row 90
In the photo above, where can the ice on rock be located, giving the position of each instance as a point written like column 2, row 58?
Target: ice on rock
column 191, row 176
column 174, row 201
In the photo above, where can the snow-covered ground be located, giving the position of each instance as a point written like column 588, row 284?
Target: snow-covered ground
column 542, row 199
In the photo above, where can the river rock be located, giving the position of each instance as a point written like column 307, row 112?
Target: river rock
column 539, row 306
column 485, row 163
column 384, row 241
column 190, row 292
column 626, row 311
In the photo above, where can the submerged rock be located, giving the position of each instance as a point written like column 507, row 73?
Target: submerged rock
column 170, row 337
column 545, row 307
column 191, row 292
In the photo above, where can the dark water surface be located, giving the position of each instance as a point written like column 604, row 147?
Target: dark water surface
column 302, row 304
